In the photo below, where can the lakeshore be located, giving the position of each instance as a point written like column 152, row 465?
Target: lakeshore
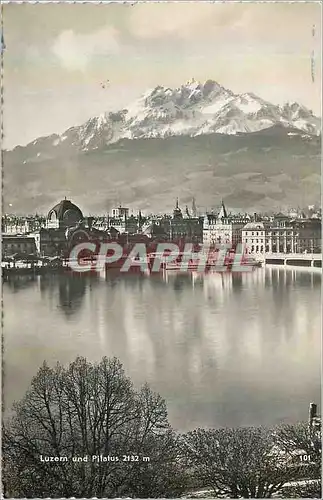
column 34, row 265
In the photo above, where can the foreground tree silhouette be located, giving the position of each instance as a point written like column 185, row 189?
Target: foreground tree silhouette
column 88, row 410
column 300, row 439
column 240, row 462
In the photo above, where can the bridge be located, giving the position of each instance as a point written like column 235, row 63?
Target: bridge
column 294, row 259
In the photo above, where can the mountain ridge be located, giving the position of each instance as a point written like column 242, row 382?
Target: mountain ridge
column 191, row 109
column 98, row 166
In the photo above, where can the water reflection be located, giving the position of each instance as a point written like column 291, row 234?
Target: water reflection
column 222, row 349
column 71, row 290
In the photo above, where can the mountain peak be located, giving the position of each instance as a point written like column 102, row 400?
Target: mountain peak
column 191, row 109
column 197, row 108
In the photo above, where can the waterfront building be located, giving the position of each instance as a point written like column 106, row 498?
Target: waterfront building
column 209, row 228
column 64, row 214
column 183, row 227
column 18, row 244
column 52, row 241
column 84, row 232
column 178, row 226
column 65, row 225
column 309, row 235
column 223, row 228
column 286, row 235
column 283, row 234
column 52, row 238
column 253, row 238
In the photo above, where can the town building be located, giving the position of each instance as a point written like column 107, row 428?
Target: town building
column 120, row 212
column 283, row 234
column 14, row 226
column 19, row 225
column 126, row 224
column 52, row 238
column 18, row 244
column 309, row 235
column 175, row 227
column 186, row 226
column 253, row 238
column 51, row 241
column 65, row 227
column 64, row 214
column 157, row 229
column 121, row 222
column 286, row 235
column 223, row 228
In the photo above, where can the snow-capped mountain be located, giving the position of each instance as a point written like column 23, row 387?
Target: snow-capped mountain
column 196, row 140
column 193, row 109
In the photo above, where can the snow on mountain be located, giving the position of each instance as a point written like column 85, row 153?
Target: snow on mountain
column 95, row 132
column 216, row 106
column 192, row 109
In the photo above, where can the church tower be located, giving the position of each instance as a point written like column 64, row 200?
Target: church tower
column 177, row 213
column 194, row 210
column 223, row 212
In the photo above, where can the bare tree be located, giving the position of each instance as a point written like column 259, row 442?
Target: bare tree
column 302, row 445
column 87, row 411
column 299, row 440
column 237, row 462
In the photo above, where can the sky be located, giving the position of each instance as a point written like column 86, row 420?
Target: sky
column 57, row 56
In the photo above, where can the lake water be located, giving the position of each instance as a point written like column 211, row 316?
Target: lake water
column 223, row 349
